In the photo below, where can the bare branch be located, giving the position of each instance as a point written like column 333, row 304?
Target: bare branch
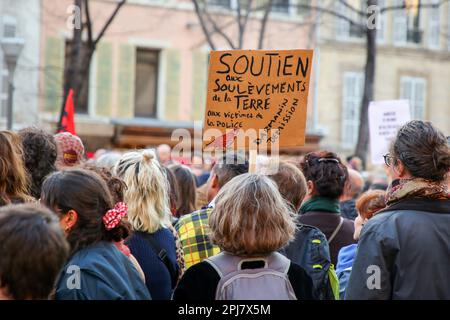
column 352, row 8
column 88, row 23
column 264, row 23
column 242, row 21
column 332, row 13
column 420, row 6
column 218, row 29
column 111, row 18
column 203, row 25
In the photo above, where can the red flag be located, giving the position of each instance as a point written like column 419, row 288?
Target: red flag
column 67, row 120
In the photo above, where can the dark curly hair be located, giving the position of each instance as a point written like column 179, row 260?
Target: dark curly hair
column 87, row 194
column 326, row 171
column 39, row 151
column 423, row 149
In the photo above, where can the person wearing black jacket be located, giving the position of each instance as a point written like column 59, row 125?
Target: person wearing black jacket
column 250, row 222
column 404, row 251
column 326, row 176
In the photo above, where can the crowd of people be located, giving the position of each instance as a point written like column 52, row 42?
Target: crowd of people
column 143, row 225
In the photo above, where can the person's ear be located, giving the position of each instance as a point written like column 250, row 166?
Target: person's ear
column 311, row 187
column 69, row 220
column 399, row 169
column 215, row 182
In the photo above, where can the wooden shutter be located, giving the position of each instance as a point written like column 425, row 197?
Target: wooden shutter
column 126, row 78
column 104, row 80
column 172, row 84
column 53, row 74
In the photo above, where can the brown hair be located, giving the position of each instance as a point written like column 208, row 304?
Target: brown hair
column 14, row 180
column 173, row 190
column 326, row 171
column 251, row 217
column 115, row 185
column 33, row 250
column 186, row 189
column 230, row 166
column 423, row 149
column 370, row 202
column 87, row 194
column 39, row 148
column 291, row 183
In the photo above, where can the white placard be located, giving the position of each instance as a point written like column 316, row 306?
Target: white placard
column 385, row 118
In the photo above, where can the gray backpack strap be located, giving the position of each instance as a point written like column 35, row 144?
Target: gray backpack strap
column 225, row 263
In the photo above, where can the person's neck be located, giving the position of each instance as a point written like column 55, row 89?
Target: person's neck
column 344, row 198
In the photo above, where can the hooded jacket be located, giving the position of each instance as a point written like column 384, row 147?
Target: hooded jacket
column 404, row 253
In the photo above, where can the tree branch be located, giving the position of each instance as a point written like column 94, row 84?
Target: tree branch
column 352, row 8
column 264, row 20
column 242, row 21
column 420, row 6
column 88, row 23
column 203, row 25
column 218, row 30
column 111, row 18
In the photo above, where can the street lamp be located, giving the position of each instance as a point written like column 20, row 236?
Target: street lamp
column 11, row 50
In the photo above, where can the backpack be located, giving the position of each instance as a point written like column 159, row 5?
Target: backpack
column 269, row 282
column 310, row 251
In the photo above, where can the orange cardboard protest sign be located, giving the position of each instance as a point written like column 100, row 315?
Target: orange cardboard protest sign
column 257, row 98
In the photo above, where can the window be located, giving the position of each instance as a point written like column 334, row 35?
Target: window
column 434, row 27
column 344, row 29
column 82, row 99
column 381, row 22
column 414, row 90
column 448, row 27
column 408, row 24
column 281, row 6
column 145, row 96
column 351, row 103
column 220, row 3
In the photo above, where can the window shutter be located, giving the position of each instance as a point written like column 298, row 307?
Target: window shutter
column 448, row 27
column 199, row 84
column 342, row 26
column 381, row 22
column 172, row 84
column 434, row 27
column 414, row 90
column 352, row 95
column 54, row 73
column 104, row 80
column 127, row 64
column 399, row 27
column 419, row 98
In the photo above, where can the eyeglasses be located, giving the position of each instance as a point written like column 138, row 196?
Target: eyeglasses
column 388, row 159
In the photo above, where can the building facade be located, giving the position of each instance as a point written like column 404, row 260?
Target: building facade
column 21, row 19
column 413, row 63
column 150, row 68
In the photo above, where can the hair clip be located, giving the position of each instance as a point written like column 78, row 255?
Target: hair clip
column 328, row 160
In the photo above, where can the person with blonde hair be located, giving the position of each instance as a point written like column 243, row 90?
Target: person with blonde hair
column 250, row 222
column 152, row 242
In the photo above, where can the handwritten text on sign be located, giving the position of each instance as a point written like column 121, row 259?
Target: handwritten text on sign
column 385, row 118
column 260, row 91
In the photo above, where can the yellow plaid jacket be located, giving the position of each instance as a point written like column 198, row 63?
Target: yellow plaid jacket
column 193, row 230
